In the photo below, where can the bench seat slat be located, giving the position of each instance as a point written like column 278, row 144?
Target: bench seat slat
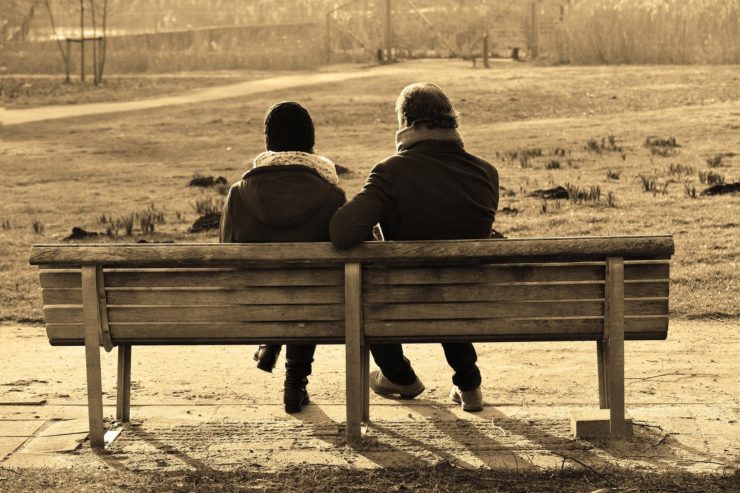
column 512, row 329
column 186, row 333
column 523, row 329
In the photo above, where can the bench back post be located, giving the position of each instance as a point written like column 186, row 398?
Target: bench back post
column 614, row 339
column 354, row 341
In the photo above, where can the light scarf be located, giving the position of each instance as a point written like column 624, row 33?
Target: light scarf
column 406, row 137
column 323, row 166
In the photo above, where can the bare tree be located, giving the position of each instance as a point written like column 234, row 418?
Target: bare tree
column 65, row 58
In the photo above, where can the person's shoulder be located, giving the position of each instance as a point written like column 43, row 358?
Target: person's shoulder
column 488, row 166
column 337, row 194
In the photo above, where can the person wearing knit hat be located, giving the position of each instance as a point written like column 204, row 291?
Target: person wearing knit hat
column 431, row 189
column 289, row 194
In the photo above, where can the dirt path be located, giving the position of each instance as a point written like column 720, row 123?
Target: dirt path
column 209, row 407
column 15, row 117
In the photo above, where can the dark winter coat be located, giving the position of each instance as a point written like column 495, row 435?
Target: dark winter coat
column 289, row 203
column 432, row 190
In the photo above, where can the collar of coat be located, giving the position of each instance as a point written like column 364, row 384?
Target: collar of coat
column 323, row 166
column 406, row 137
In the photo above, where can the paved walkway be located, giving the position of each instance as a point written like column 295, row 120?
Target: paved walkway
column 209, row 406
column 15, row 117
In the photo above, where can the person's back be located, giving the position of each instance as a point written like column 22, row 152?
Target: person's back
column 289, row 195
column 432, row 189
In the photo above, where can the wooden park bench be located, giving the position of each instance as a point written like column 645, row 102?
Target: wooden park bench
column 603, row 289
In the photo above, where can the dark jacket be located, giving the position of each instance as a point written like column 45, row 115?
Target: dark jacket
column 279, row 204
column 433, row 190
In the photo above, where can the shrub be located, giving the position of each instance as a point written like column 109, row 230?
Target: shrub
column 649, row 183
column 552, row 164
column 126, row 222
column 663, row 147
column 6, row 224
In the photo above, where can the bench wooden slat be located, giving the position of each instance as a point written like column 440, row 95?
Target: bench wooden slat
column 203, row 333
column 226, row 278
column 505, row 292
column 505, row 309
column 376, row 294
column 588, row 328
column 268, row 295
column 553, row 272
column 512, row 329
column 384, row 252
column 221, row 313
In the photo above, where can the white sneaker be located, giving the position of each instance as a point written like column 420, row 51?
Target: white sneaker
column 471, row 400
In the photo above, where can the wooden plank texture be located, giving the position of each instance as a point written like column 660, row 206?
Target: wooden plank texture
column 223, row 278
column 354, row 342
column 92, row 356
column 614, row 311
column 266, row 295
column 382, row 252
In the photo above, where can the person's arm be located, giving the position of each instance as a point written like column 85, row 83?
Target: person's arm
column 353, row 223
column 225, row 229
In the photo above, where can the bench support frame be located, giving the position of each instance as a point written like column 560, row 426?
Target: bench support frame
column 357, row 353
column 123, row 393
column 610, row 350
column 91, row 313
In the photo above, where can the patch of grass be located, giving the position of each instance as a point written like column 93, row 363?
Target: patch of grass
column 649, row 183
column 208, row 205
column 6, row 224
column 553, row 164
column 689, row 190
column 613, row 174
column 663, row 147
column 680, row 169
column 149, row 218
column 37, row 226
column 559, row 151
column 578, row 195
column 711, row 178
column 606, row 144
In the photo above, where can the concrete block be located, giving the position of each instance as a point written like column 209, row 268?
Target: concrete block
column 594, row 423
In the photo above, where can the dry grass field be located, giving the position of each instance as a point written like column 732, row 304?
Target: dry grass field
column 583, row 128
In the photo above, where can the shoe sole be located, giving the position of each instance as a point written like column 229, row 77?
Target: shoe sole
column 296, row 408
column 406, row 395
column 471, row 408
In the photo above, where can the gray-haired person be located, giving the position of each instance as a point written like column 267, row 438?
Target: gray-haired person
column 431, row 189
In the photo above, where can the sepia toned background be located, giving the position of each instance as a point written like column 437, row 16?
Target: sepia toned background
column 603, row 117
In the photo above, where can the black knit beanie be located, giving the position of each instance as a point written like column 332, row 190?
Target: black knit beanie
column 288, row 127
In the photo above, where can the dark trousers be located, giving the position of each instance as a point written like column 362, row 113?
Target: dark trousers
column 298, row 359
column 460, row 356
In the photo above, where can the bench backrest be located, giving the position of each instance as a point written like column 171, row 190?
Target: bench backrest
column 478, row 290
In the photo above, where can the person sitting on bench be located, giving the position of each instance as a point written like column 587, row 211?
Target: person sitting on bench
column 432, row 189
column 289, row 195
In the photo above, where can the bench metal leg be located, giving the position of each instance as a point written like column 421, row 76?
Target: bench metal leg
column 602, row 358
column 353, row 344
column 123, row 397
column 614, row 321
column 91, row 316
column 365, row 352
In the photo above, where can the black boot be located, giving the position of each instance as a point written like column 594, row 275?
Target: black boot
column 295, row 395
column 266, row 356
